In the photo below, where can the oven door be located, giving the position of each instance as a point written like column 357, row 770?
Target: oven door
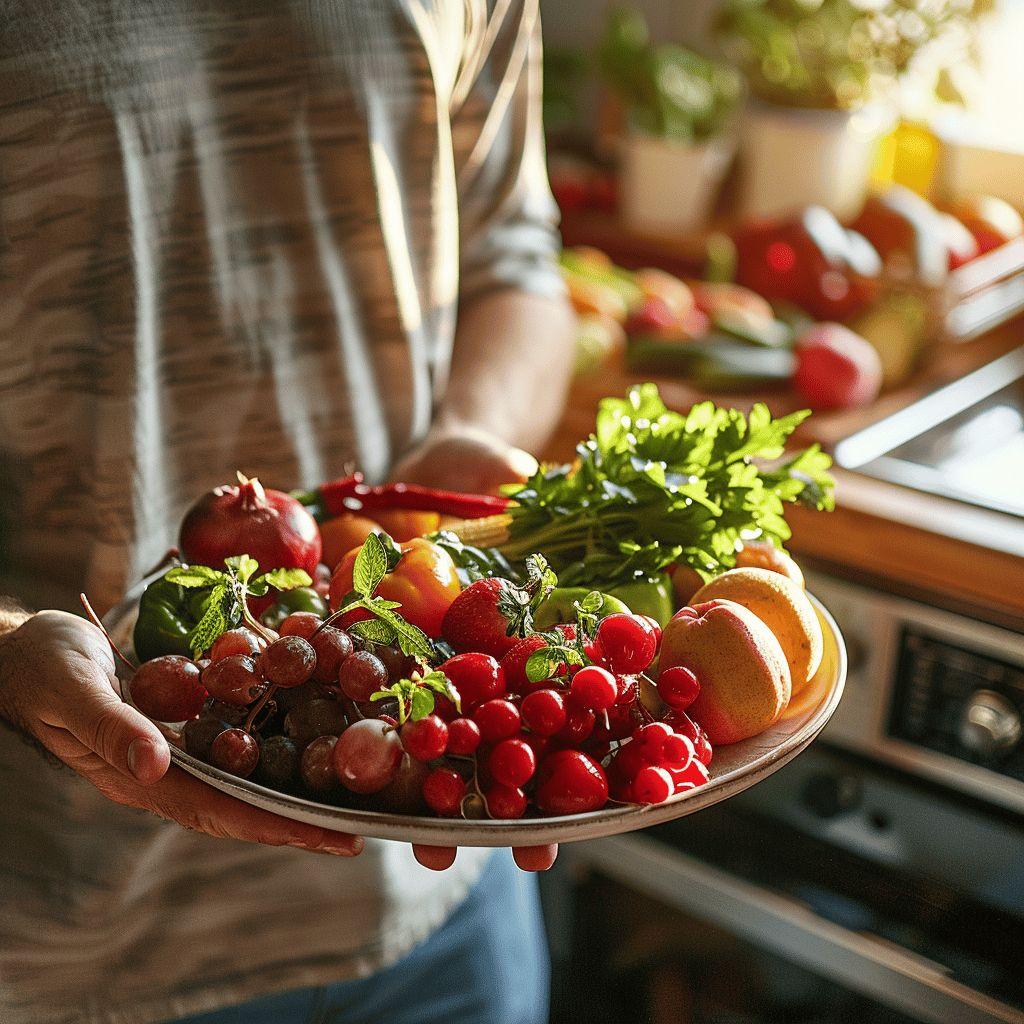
column 853, row 872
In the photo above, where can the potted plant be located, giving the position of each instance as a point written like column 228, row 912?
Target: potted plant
column 678, row 108
column 823, row 76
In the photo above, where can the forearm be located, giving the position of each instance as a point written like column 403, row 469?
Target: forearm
column 510, row 369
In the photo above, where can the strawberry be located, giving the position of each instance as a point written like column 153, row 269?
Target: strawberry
column 479, row 619
column 491, row 614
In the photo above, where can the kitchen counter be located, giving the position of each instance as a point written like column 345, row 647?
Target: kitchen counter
column 900, row 540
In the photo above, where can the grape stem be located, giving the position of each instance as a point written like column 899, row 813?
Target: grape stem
column 98, row 623
column 258, row 707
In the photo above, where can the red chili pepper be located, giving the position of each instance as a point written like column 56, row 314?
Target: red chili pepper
column 350, row 494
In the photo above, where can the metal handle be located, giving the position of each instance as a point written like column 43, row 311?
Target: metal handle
column 890, row 974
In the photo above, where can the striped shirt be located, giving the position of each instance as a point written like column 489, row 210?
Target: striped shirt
column 233, row 235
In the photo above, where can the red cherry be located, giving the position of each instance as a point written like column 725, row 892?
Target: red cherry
column 628, row 761
column 617, row 723
column 579, row 724
column 678, row 687
column 497, row 720
column 537, row 743
column 512, row 762
column 677, row 751
column 570, row 782
column 655, row 625
column 443, row 791
column 629, row 642
column 652, row 785
column 477, row 677
column 425, row 739
column 650, row 739
column 302, row 624
column 627, row 691
column 463, row 736
column 693, row 775
column 683, row 724
column 595, row 688
column 514, row 663
column 505, row 801
column 543, row 712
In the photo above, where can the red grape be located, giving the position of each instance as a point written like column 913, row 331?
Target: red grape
column 444, row 790
column 169, row 688
column 361, row 675
column 512, row 762
column 318, row 717
column 678, row 687
column 234, row 680
column 505, row 801
column 303, row 624
column 628, row 641
column 317, row 764
column 497, row 720
column 332, row 646
column 570, row 782
column 279, row 762
column 426, row 738
column 463, row 736
column 404, row 793
column 595, row 688
column 235, row 751
column 288, row 662
column 199, row 734
column 367, row 755
column 543, row 712
column 235, row 641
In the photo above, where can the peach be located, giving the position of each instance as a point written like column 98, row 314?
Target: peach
column 762, row 554
column 783, row 607
column 743, row 674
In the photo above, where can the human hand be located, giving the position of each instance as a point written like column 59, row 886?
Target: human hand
column 57, row 684
column 464, row 458
column 528, row 858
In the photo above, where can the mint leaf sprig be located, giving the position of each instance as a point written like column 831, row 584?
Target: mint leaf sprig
column 416, row 695
column 378, row 556
column 229, row 593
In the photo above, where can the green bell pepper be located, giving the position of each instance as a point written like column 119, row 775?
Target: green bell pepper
column 559, row 606
column 651, row 596
column 299, row 599
column 164, row 622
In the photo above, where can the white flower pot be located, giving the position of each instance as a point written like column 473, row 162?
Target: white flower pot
column 670, row 186
column 791, row 158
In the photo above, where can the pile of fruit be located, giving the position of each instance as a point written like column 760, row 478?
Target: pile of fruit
column 430, row 676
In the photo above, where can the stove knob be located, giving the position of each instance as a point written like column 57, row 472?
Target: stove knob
column 828, row 795
column 990, row 724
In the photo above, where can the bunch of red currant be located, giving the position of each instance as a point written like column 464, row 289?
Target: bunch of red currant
column 311, row 711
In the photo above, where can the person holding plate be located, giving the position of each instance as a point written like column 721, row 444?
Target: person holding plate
column 289, row 236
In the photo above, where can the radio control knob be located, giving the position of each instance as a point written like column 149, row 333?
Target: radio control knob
column 990, row 724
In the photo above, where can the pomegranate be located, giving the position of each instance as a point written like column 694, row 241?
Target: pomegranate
column 248, row 519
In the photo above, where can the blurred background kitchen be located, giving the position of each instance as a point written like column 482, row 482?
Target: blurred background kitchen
column 817, row 203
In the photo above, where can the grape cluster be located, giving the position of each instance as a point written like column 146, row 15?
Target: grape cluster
column 295, row 711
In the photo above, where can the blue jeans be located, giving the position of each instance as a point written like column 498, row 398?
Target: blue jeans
column 487, row 964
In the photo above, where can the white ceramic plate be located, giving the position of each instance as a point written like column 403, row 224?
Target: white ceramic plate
column 734, row 768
